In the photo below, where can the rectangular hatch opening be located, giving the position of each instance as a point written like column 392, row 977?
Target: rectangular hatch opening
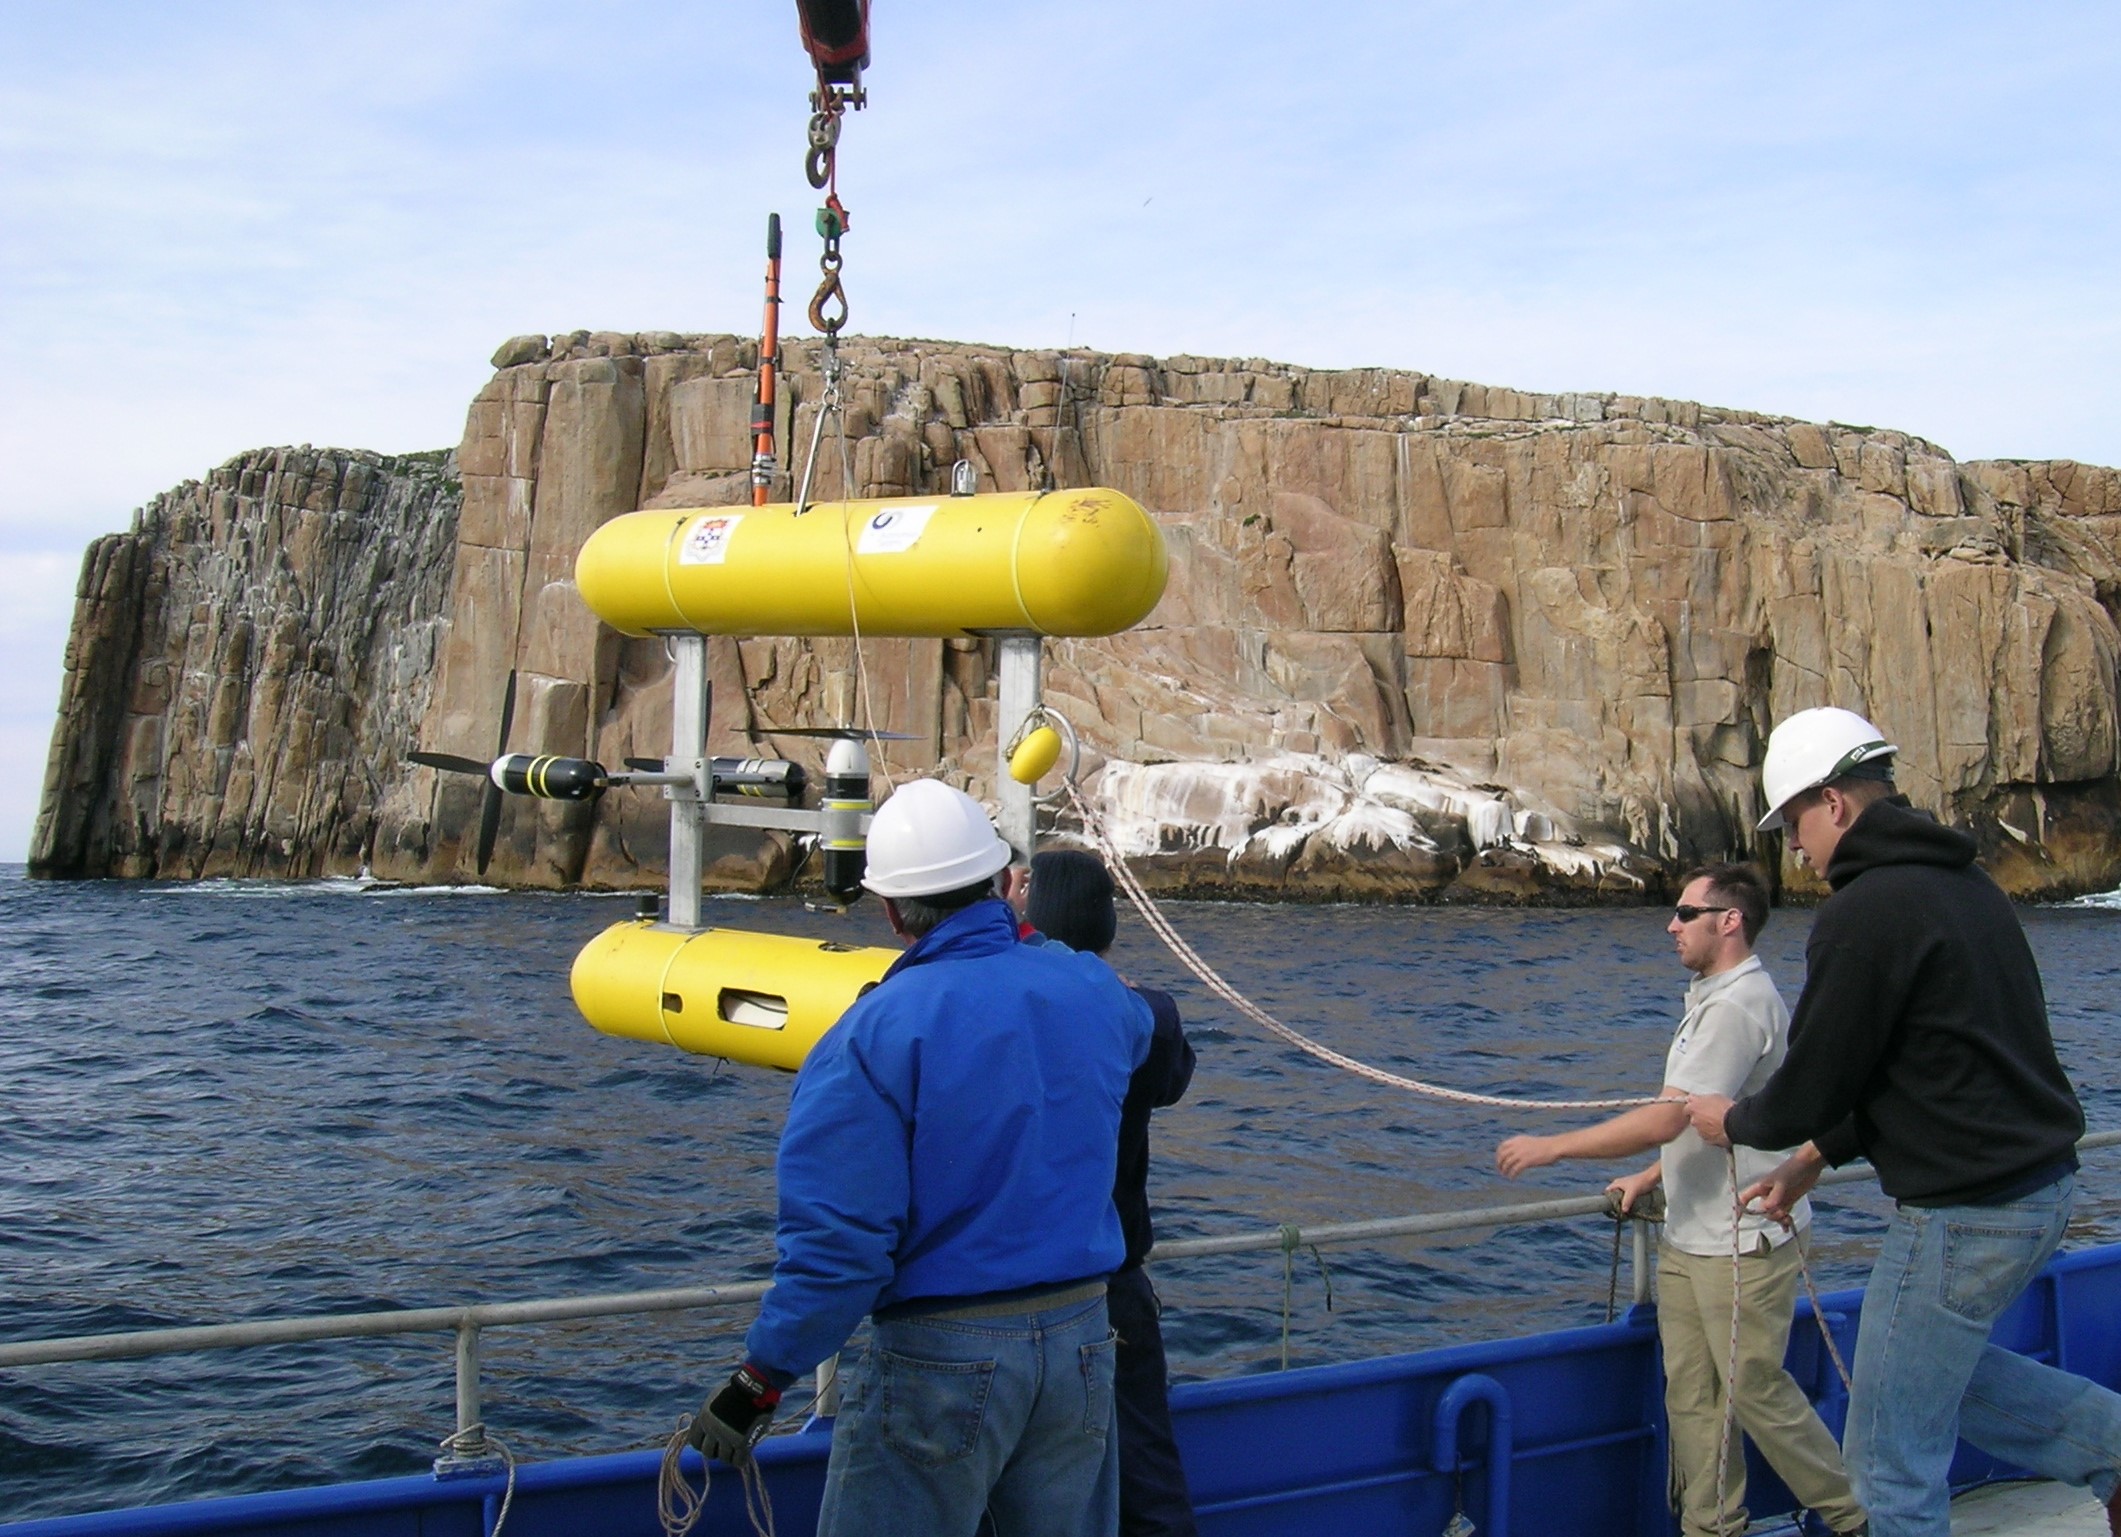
column 759, row 1011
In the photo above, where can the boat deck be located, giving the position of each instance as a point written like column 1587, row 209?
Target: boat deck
column 2022, row 1508
column 2033, row 1509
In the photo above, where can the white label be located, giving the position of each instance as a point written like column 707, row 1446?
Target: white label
column 893, row 530
column 707, row 541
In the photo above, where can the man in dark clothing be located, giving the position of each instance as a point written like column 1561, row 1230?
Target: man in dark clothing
column 1069, row 899
column 1921, row 1042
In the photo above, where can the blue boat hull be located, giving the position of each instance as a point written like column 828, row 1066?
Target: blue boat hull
column 1561, row 1435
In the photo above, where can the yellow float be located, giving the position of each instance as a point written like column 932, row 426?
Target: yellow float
column 1035, row 756
column 1084, row 562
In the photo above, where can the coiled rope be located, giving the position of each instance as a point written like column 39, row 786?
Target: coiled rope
column 679, row 1506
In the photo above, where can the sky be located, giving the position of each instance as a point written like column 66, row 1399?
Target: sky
column 226, row 226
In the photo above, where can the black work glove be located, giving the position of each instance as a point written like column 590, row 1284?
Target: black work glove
column 730, row 1423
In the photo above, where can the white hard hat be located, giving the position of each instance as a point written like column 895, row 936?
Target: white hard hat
column 929, row 838
column 1811, row 748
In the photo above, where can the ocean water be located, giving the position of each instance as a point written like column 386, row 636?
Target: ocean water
column 247, row 1100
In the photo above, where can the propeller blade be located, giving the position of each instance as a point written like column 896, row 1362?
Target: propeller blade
column 490, row 805
column 645, row 765
column 489, row 824
column 508, row 715
column 450, row 762
column 849, row 733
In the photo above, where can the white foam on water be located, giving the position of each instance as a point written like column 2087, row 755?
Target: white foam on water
column 391, row 889
column 256, row 890
column 2109, row 901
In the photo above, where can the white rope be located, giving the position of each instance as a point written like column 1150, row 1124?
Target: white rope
column 473, row 1441
column 854, row 619
column 1730, row 1375
column 1191, row 958
column 679, row 1506
column 832, row 404
column 1804, row 1269
column 1730, row 1378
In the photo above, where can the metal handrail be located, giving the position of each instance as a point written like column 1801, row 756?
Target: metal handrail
column 332, row 1326
column 468, row 1320
column 1457, row 1221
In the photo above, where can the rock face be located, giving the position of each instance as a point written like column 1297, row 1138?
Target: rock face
column 246, row 669
column 1422, row 638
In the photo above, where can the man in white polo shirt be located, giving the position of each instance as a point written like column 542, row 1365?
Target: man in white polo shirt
column 1735, row 1032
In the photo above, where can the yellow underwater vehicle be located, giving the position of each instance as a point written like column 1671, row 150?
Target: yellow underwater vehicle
column 1013, row 567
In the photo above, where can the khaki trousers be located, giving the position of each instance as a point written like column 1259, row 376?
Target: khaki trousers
column 1694, row 1324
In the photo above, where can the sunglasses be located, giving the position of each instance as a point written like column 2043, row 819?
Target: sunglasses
column 1687, row 913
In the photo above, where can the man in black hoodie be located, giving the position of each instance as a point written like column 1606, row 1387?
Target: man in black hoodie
column 1921, row 1042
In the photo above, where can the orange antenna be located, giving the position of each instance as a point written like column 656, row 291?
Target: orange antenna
column 762, row 461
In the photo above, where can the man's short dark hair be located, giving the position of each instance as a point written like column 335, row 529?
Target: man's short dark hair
column 1735, row 885
column 917, row 915
column 1863, row 784
column 1866, row 782
column 1071, row 900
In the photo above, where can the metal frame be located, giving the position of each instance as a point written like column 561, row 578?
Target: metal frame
column 1021, row 658
column 688, row 784
column 689, row 706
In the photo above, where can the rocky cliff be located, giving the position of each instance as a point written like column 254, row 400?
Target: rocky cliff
column 1422, row 637
column 247, row 667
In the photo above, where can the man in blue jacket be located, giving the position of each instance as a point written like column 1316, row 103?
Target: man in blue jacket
column 946, row 1170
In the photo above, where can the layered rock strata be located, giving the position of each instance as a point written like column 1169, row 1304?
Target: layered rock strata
column 248, row 665
column 1422, row 638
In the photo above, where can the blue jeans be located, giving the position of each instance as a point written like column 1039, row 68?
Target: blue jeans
column 947, row 1419
column 1926, row 1374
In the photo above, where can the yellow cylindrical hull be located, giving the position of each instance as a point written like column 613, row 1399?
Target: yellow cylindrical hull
column 762, row 999
column 1087, row 562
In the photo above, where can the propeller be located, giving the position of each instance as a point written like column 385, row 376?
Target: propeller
column 490, row 802
column 490, row 805
column 547, row 776
column 551, row 777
